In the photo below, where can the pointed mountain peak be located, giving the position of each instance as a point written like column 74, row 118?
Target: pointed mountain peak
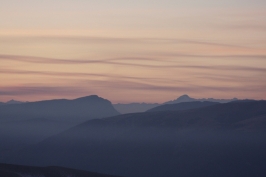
column 184, row 98
column 13, row 102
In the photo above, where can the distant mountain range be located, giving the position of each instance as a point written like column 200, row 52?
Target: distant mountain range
column 134, row 107
column 31, row 122
column 11, row 102
column 186, row 98
column 215, row 140
column 182, row 106
column 142, row 107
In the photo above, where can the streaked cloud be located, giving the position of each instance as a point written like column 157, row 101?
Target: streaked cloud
column 120, row 61
column 118, row 86
column 132, row 51
column 112, row 40
column 41, row 90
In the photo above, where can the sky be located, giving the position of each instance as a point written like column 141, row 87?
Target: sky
column 132, row 51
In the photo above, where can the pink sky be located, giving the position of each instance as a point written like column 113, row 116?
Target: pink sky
column 146, row 52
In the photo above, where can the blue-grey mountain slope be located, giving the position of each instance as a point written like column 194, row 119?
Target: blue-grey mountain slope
column 27, row 123
column 186, row 98
column 182, row 106
column 218, row 140
column 142, row 107
column 134, row 107
column 77, row 110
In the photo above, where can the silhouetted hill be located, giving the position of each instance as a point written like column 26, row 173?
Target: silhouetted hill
column 210, row 141
column 186, row 98
column 77, row 110
column 8, row 170
column 28, row 123
column 182, row 106
column 134, row 107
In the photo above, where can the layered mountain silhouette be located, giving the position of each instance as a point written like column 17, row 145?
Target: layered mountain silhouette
column 27, row 123
column 8, row 170
column 134, row 107
column 182, row 106
column 12, row 102
column 186, row 98
column 216, row 140
column 77, row 110
column 142, row 107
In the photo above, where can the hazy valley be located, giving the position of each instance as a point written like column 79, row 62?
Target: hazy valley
column 194, row 138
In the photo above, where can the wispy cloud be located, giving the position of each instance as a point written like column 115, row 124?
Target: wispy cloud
column 41, row 90
column 131, row 85
column 121, row 62
column 87, row 76
column 123, row 40
column 224, row 56
column 119, row 85
column 45, row 60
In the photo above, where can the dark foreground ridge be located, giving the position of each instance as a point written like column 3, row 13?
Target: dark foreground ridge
column 8, row 170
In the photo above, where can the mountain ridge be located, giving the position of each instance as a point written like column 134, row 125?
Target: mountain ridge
column 82, row 108
column 134, row 107
column 186, row 98
column 142, row 107
column 182, row 106
column 11, row 102
column 156, row 143
column 24, row 124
